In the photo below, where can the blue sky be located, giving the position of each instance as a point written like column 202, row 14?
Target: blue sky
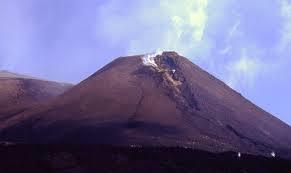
column 244, row 43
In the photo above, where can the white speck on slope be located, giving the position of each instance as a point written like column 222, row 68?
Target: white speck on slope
column 273, row 154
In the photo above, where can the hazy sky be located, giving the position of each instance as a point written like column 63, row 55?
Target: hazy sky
column 247, row 44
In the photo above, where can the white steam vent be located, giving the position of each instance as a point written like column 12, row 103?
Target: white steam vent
column 149, row 59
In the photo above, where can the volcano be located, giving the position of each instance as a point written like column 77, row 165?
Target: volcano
column 152, row 100
column 18, row 92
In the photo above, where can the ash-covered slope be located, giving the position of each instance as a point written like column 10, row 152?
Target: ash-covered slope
column 161, row 100
column 18, row 92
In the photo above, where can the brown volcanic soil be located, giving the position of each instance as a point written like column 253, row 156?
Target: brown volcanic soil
column 18, row 92
column 127, row 102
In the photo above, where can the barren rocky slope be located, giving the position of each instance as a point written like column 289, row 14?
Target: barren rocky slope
column 153, row 100
column 18, row 92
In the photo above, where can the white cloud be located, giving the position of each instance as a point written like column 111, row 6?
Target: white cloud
column 286, row 30
column 226, row 50
column 232, row 33
column 244, row 71
column 168, row 24
column 233, row 30
column 187, row 13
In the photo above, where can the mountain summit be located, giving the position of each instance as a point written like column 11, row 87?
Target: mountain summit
column 161, row 99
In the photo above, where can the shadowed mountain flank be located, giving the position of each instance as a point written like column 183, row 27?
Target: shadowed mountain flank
column 108, row 159
column 18, row 92
column 162, row 100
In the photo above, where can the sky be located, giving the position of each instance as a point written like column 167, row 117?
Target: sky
column 246, row 43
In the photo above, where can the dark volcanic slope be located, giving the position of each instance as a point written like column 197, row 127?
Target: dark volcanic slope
column 17, row 92
column 173, row 103
column 108, row 159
